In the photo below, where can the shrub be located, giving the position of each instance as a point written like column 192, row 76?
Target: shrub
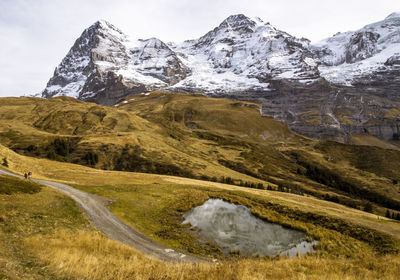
column 368, row 207
column 51, row 155
column 133, row 159
column 31, row 148
column 61, row 146
column 91, row 158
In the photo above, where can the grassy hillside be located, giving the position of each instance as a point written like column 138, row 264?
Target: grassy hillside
column 204, row 138
column 29, row 210
column 44, row 235
column 287, row 179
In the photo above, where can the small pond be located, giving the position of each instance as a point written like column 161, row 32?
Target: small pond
column 233, row 227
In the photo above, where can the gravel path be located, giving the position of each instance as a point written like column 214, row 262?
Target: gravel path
column 113, row 227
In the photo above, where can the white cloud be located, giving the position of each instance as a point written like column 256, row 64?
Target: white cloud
column 36, row 34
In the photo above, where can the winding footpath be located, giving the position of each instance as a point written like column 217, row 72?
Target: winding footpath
column 113, row 227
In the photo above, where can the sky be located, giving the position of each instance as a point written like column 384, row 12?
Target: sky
column 35, row 35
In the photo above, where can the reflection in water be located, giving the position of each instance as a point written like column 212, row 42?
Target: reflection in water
column 233, row 227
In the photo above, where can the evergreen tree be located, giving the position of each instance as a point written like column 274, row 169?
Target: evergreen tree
column 368, row 207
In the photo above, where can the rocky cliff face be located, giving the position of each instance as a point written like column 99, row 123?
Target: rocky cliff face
column 104, row 65
column 363, row 74
column 343, row 85
column 327, row 111
column 355, row 57
column 241, row 54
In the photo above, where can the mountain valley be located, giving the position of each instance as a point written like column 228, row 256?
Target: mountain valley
column 201, row 137
column 139, row 133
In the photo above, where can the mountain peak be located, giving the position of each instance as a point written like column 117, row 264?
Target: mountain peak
column 237, row 17
column 238, row 21
column 393, row 15
column 103, row 23
column 154, row 43
column 105, row 26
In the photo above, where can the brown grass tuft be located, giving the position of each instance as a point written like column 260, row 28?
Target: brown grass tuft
column 88, row 255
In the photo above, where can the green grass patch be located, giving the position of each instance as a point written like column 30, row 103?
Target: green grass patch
column 156, row 210
column 10, row 185
column 32, row 213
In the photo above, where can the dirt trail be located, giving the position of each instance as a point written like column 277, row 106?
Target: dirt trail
column 113, row 227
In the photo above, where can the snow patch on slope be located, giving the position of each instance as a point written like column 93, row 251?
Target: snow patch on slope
column 347, row 56
column 346, row 73
column 241, row 54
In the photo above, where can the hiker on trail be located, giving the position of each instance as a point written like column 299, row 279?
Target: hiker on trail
column 29, row 174
column 26, row 175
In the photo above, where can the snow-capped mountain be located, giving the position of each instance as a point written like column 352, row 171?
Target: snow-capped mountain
column 105, row 64
column 351, row 57
column 241, row 54
column 342, row 85
column 245, row 54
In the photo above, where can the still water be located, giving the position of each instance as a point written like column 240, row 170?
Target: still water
column 233, row 227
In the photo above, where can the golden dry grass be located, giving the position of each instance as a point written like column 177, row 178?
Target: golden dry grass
column 23, row 215
column 368, row 140
column 107, row 131
column 394, row 112
column 227, row 117
column 81, row 175
column 180, row 134
column 85, row 255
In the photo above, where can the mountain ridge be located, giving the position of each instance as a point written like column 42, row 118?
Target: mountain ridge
column 295, row 81
column 240, row 29
column 236, row 38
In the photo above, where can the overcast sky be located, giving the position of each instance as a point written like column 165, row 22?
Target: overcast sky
column 36, row 34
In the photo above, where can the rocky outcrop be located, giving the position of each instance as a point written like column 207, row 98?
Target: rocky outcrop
column 394, row 60
column 327, row 111
column 362, row 45
column 104, row 65
column 154, row 58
